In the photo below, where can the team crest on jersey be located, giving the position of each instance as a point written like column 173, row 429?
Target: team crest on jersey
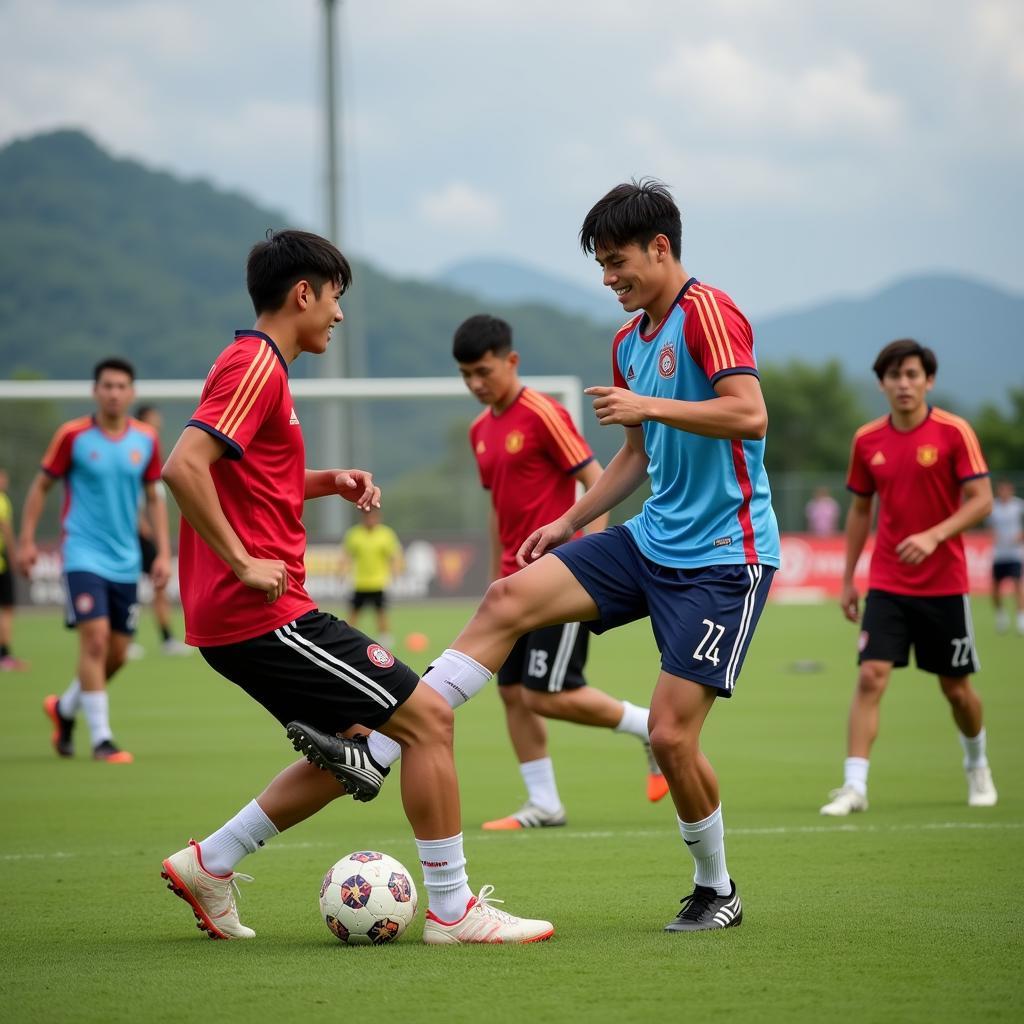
column 480, row 447
column 878, row 459
column 514, row 442
column 84, row 604
column 293, row 420
column 379, row 657
column 667, row 360
column 927, row 455
column 136, row 456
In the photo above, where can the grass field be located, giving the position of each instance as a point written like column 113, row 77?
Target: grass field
column 910, row 912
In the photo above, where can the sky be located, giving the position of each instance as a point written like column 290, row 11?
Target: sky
column 815, row 149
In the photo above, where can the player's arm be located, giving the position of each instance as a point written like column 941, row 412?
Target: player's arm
column 621, row 477
column 977, row 504
column 35, row 502
column 588, row 476
column 737, row 413
column 156, row 516
column 355, row 485
column 187, row 473
column 858, row 528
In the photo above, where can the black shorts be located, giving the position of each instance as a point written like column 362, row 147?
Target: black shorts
column 374, row 598
column 317, row 670
column 940, row 629
column 549, row 660
column 148, row 549
column 7, row 588
column 1005, row 571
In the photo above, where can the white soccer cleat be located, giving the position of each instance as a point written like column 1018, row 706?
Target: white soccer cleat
column 843, row 801
column 175, row 648
column 485, row 923
column 981, row 790
column 211, row 897
column 528, row 816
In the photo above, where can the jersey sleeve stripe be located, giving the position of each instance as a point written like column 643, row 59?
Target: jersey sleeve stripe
column 62, row 432
column 971, row 442
column 242, row 390
column 729, row 357
column 570, row 445
column 716, row 354
column 247, row 391
column 868, row 427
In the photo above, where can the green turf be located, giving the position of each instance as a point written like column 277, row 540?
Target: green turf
column 908, row 913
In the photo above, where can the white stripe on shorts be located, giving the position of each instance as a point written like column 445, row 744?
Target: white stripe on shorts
column 755, row 573
column 317, row 655
column 565, row 648
column 975, row 660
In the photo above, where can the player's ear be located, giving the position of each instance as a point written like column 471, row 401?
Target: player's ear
column 513, row 359
column 302, row 293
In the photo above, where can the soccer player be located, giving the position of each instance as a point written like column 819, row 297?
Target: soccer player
column 8, row 662
column 373, row 552
column 1007, row 522
column 239, row 475
column 530, row 457
column 169, row 643
column 106, row 461
column 699, row 558
column 928, row 471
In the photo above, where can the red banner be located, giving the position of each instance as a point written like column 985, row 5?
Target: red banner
column 812, row 567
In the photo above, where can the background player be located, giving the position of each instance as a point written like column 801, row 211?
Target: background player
column 928, row 471
column 372, row 553
column 698, row 559
column 8, row 662
column 238, row 470
column 1007, row 522
column 106, row 462
column 530, row 457
column 169, row 643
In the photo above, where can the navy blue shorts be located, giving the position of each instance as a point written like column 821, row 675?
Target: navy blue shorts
column 92, row 597
column 703, row 619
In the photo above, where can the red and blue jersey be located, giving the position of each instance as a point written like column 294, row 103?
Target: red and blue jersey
column 710, row 502
column 103, row 478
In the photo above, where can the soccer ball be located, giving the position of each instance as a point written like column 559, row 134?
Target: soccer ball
column 368, row 898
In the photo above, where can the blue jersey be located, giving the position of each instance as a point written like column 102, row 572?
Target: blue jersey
column 710, row 502
column 103, row 477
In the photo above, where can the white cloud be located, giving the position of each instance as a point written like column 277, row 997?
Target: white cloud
column 459, row 206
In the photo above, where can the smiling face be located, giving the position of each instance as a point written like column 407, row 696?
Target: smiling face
column 318, row 315
column 638, row 274
column 493, row 380
column 906, row 386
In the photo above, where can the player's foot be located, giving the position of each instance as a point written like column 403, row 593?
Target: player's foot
column 657, row 786
column 981, row 790
column 62, row 727
column 211, row 897
column 9, row 663
column 528, row 816
column 704, row 909
column 484, row 922
column 135, row 652
column 843, row 801
column 174, row 647
column 110, row 752
column 348, row 760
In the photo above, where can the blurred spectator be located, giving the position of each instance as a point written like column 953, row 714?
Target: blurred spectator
column 1007, row 522
column 8, row 662
column 822, row 513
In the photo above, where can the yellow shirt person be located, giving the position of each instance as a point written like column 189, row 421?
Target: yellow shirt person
column 372, row 553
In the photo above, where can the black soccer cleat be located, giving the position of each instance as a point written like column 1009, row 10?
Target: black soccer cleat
column 348, row 760
column 704, row 910
column 62, row 727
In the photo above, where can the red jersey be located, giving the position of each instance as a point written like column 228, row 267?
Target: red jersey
column 261, row 483
column 527, row 456
column 918, row 475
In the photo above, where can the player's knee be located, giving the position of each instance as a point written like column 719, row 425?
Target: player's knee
column 672, row 742
column 511, row 696
column 95, row 645
column 872, row 679
column 537, row 702
column 503, row 607
column 956, row 691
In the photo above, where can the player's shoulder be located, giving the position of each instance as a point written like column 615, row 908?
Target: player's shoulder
column 72, row 428
column 951, row 421
column 627, row 328
column 871, row 429
column 249, row 350
column 539, row 404
column 479, row 421
column 706, row 297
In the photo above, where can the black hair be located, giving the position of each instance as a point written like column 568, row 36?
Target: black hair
column 143, row 410
column 277, row 264
column 479, row 335
column 635, row 211
column 896, row 351
column 112, row 363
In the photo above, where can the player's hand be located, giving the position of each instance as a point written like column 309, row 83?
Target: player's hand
column 541, row 541
column 618, row 405
column 266, row 574
column 160, row 571
column 26, row 556
column 917, row 547
column 849, row 601
column 356, row 485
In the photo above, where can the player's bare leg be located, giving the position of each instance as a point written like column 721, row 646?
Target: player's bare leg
column 94, row 656
column 526, row 728
column 965, row 704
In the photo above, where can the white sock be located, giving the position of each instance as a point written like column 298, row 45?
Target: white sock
column 95, row 706
column 456, row 676
column 634, row 720
column 706, row 842
column 70, row 700
column 245, row 833
column 541, row 790
column 444, row 876
column 974, row 750
column 855, row 774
